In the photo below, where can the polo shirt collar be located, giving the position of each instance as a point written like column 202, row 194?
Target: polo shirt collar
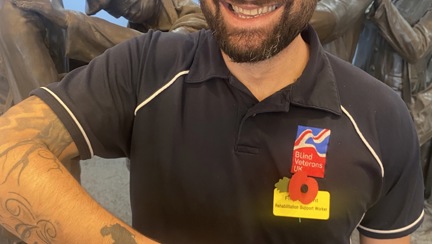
column 316, row 87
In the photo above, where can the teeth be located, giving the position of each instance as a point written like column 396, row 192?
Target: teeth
column 250, row 13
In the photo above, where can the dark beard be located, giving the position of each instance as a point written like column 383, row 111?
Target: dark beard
column 271, row 42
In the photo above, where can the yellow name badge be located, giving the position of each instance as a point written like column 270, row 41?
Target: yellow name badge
column 317, row 209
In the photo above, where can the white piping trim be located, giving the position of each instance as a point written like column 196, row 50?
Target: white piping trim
column 160, row 90
column 361, row 219
column 358, row 224
column 73, row 118
column 364, row 140
column 396, row 230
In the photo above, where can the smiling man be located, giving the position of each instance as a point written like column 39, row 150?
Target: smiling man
column 245, row 133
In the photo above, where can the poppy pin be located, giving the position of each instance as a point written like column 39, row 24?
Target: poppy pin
column 302, row 188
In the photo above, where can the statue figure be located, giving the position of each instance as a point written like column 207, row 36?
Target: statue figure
column 85, row 36
column 26, row 62
column 339, row 24
column 396, row 47
column 88, row 36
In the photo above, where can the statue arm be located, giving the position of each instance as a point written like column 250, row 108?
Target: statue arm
column 332, row 18
column 185, row 16
column 88, row 37
column 411, row 42
column 53, row 11
column 40, row 201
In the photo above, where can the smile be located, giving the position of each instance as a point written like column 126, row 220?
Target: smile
column 247, row 13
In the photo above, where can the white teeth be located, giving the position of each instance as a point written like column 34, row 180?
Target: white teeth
column 250, row 13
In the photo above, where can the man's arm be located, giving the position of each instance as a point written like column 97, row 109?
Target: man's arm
column 40, row 202
column 368, row 240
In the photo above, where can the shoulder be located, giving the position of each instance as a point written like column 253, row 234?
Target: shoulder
column 168, row 48
column 378, row 112
column 157, row 52
column 358, row 88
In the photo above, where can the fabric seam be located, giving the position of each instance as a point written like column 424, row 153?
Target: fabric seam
column 163, row 88
column 84, row 134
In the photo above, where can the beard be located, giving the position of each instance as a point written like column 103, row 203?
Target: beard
column 254, row 45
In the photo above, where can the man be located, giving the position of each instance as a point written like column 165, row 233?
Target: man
column 245, row 133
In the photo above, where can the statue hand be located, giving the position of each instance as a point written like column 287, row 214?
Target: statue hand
column 55, row 14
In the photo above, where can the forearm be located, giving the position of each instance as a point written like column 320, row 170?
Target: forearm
column 44, row 204
column 411, row 42
column 40, row 202
column 368, row 240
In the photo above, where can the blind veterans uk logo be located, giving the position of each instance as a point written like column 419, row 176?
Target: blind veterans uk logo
column 310, row 149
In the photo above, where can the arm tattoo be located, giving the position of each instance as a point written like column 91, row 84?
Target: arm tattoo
column 119, row 234
column 26, row 223
column 45, row 130
column 24, row 161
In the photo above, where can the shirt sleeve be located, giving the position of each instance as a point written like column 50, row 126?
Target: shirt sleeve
column 96, row 102
column 399, row 209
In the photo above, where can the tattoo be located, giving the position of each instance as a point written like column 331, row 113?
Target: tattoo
column 24, row 161
column 119, row 234
column 27, row 225
column 44, row 130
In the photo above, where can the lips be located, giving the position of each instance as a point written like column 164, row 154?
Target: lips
column 249, row 10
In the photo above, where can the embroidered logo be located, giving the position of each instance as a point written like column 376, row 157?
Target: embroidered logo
column 310, row 149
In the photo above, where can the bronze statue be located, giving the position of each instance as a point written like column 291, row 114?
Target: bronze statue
column 31, row 52
column 338, row 24
column 23, row 33
column 396, row 47
column 87, row 36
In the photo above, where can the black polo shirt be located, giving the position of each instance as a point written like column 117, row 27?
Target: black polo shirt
column 211, row 164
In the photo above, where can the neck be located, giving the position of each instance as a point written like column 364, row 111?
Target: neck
column 269, row 76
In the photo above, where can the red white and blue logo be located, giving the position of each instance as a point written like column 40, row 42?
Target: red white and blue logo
column 310, row 149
